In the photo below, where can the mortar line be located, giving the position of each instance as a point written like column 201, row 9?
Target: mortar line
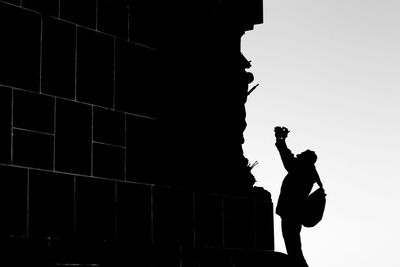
column 76, row 62
column 54, row 132
column 41, row 55
column 27, row 202
column 12, row 127
column 152, row 215
column 92, row 144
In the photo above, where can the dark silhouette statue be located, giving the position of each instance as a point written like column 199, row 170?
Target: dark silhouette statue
column 296, row 187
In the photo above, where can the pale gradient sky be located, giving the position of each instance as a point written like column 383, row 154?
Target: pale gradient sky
column 330, row 71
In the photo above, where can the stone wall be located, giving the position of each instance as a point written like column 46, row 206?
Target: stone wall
column 120, row 133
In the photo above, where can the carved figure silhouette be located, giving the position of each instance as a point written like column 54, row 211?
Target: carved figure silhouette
column 295, row 189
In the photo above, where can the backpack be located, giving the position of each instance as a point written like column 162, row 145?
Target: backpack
column 314, row 208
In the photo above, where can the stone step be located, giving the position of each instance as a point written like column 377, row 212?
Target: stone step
column 64, row 264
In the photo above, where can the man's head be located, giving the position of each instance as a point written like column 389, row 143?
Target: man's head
column 308, row 156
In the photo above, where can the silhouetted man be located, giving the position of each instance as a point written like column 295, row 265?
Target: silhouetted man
column 296, row 186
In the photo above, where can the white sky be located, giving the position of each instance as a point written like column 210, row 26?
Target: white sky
column 330, row 71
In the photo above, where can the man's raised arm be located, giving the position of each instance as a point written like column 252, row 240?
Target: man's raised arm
column 285, row 153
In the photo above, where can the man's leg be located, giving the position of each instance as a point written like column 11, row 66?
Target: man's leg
column 291, row 229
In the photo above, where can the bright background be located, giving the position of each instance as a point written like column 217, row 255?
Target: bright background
column 330, row 71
